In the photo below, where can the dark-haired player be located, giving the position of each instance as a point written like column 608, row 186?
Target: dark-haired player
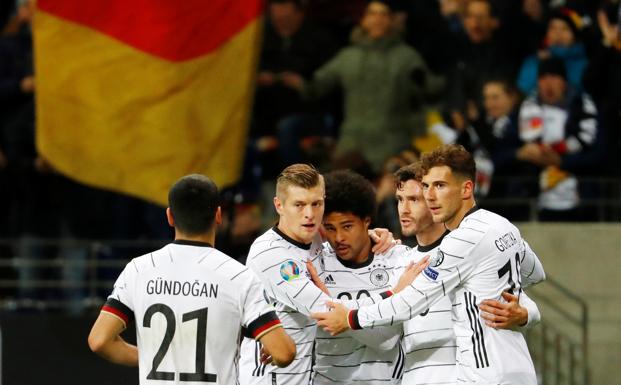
column 188, row 301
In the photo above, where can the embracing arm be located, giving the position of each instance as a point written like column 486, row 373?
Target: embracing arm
column 531, row 269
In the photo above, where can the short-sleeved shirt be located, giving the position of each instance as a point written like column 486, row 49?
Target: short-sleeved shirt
column 189, row 302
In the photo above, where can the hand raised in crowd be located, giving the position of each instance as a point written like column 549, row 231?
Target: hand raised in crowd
column 550, row 157
column 27, row 85
column 292, row 80
column 266, row 78
column 610, row 32
column 410, row 273
column 532, row 153
column 504, row 315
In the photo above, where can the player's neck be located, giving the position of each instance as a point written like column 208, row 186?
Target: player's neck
column 204, row 238
column 363, row 256
column 454, row 222
column 430, row 234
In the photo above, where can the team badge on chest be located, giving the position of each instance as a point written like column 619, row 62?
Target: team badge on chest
column 379, row 277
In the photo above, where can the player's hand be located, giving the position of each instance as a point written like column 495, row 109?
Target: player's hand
column 383, row 240
column 410, row 273
column 334, row 321
column 504, row 315
column 266, row 357
column 315, row 277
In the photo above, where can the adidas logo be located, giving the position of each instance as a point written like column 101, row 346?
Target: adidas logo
column 329, row 280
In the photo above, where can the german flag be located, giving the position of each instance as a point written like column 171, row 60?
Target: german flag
column 133, row 94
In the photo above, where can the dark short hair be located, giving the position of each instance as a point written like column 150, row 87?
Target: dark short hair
column 349, row 192
column 507, row 84
column 454, row 156
column 193, row 201
column 299, row 175
column 406, row 173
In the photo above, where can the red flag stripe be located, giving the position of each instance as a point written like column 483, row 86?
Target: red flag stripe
column 173, row 30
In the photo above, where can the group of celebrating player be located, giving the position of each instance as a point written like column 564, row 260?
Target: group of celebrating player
column 323, row 298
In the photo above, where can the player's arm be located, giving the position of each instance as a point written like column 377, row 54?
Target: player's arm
column 260, row 322
column 287, row 281
column 415, row 298
column 531, row 269
column 278, row 347
column 105, row 340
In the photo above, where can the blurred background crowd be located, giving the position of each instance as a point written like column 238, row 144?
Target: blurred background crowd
column 531, row 87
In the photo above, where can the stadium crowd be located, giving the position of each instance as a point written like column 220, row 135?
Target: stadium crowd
column 531, row 87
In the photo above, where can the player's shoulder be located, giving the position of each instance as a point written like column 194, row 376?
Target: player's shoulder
column 479, row 223
column 266, row 242
column 397, row 251
column 146, row 260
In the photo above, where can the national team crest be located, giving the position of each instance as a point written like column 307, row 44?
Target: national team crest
column 289, row 271
column 379, row 277
column 437, row 259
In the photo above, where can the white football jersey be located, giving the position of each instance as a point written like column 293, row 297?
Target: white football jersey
column 280, row 263
column 190, row 301
column 356, row 357
column 478, row 260
column 428, row 338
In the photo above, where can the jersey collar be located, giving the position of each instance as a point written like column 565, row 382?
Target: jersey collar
column 304, row 246
column 433, row 245
column 191, row 243
column 472, row 210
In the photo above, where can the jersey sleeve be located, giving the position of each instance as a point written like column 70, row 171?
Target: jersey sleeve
column 120, row 302
column 429, row 287
column 287, row 281
column 258, row 316
column 531, row 269
column 534, row 316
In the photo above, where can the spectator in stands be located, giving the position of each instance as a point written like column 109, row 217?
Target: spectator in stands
column 384, row 82
column 480, row 54
column 280, row 117
column 559, row 130
column 496, row 130
column 603, row 81
column 562, row 40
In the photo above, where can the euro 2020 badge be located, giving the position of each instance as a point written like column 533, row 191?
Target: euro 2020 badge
column 379, row 277
column 289, row 271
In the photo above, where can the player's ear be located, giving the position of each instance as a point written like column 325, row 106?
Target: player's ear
column 218, row 217
column 278, row 205
column 169, row 217
column 467, row 189
column 367, row 222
